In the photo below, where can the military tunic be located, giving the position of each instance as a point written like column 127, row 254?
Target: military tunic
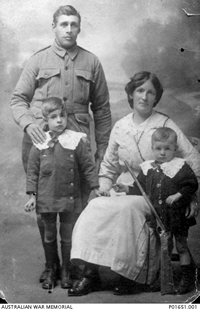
column 76, row 76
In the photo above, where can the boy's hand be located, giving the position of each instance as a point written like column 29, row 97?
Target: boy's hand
column 30, row 205
column 99, row 193
column 193, row 210
column 121, row 188
column 173, row 198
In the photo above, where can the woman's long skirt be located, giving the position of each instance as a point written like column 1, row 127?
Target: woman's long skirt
column 116, row 232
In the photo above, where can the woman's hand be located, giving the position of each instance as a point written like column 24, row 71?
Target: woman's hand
column 101, row 193
column 121, row 188
column 30, row 205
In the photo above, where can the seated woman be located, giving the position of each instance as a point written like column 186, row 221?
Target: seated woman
column 119, row 232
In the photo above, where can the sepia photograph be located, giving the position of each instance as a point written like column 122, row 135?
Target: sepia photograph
column 100, row 153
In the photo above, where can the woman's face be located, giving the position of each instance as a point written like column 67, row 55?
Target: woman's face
column 144, row 97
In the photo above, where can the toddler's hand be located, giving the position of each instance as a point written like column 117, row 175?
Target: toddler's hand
column 121, row 188
column 30, row 205
column 173, row 198
column 100, row 193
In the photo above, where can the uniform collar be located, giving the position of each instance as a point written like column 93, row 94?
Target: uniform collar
column 61, row 52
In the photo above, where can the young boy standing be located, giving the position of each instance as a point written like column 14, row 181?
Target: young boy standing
column 170, row 184
column 53, row 185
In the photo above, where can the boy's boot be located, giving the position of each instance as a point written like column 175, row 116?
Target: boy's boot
column 51, row 276
column 187, row 282
column 57, row 261
column 66, row 278
column 89, row 283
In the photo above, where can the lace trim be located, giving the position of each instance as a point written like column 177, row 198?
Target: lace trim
column 68, row 140
column 170, row 169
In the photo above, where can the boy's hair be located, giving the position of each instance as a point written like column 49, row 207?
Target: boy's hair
column 163, row 134
column 51, row 104
column 65, row 10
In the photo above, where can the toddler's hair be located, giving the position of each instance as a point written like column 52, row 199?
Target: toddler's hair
column 51, row 104
column 163, row 134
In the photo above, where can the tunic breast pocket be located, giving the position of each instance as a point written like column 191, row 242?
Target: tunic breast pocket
column 48, row 83
column 83, row 80
column 46, row 164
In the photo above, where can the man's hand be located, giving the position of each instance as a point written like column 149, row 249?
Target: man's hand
column 121, row 188
column 173, row 198
column 99, row 193
column 30, row 205
column 99, row 157
column 36, row 133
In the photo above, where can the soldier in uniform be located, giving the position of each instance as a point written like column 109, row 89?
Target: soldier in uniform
column 75, row 75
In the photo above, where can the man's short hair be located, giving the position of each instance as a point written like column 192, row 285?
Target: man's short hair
column 51, row 104
column 66, row 10
column 163, row 134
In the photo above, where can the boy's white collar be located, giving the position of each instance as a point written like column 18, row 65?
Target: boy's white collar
column 68, row 140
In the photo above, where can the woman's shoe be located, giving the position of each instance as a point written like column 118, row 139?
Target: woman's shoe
column 89, row 283
column 123, row 290
column 83, row 287
column 51, row 279
column 125, row 287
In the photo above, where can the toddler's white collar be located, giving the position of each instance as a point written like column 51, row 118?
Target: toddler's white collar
column 170, row 169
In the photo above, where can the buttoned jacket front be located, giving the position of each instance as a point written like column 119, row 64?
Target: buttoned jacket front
column 159, row 186
column 53, row 173
column 75, row 76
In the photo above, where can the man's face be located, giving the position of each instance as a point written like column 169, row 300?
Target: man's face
column 66, row 30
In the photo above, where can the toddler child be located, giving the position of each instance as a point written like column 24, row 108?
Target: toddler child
column 53, row 185
column 170, row 184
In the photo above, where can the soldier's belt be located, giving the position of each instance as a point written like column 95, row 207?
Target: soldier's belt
column 77, row 108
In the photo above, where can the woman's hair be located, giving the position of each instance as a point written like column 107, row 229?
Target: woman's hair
column 140, row 78
column 163, row 134
column 51, row 104
column 65, row 10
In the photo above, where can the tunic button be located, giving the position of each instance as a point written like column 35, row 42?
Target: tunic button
column 71, row 184
column 71, row 198
column 71, row 155
column 71, row 170
column 160, row 201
